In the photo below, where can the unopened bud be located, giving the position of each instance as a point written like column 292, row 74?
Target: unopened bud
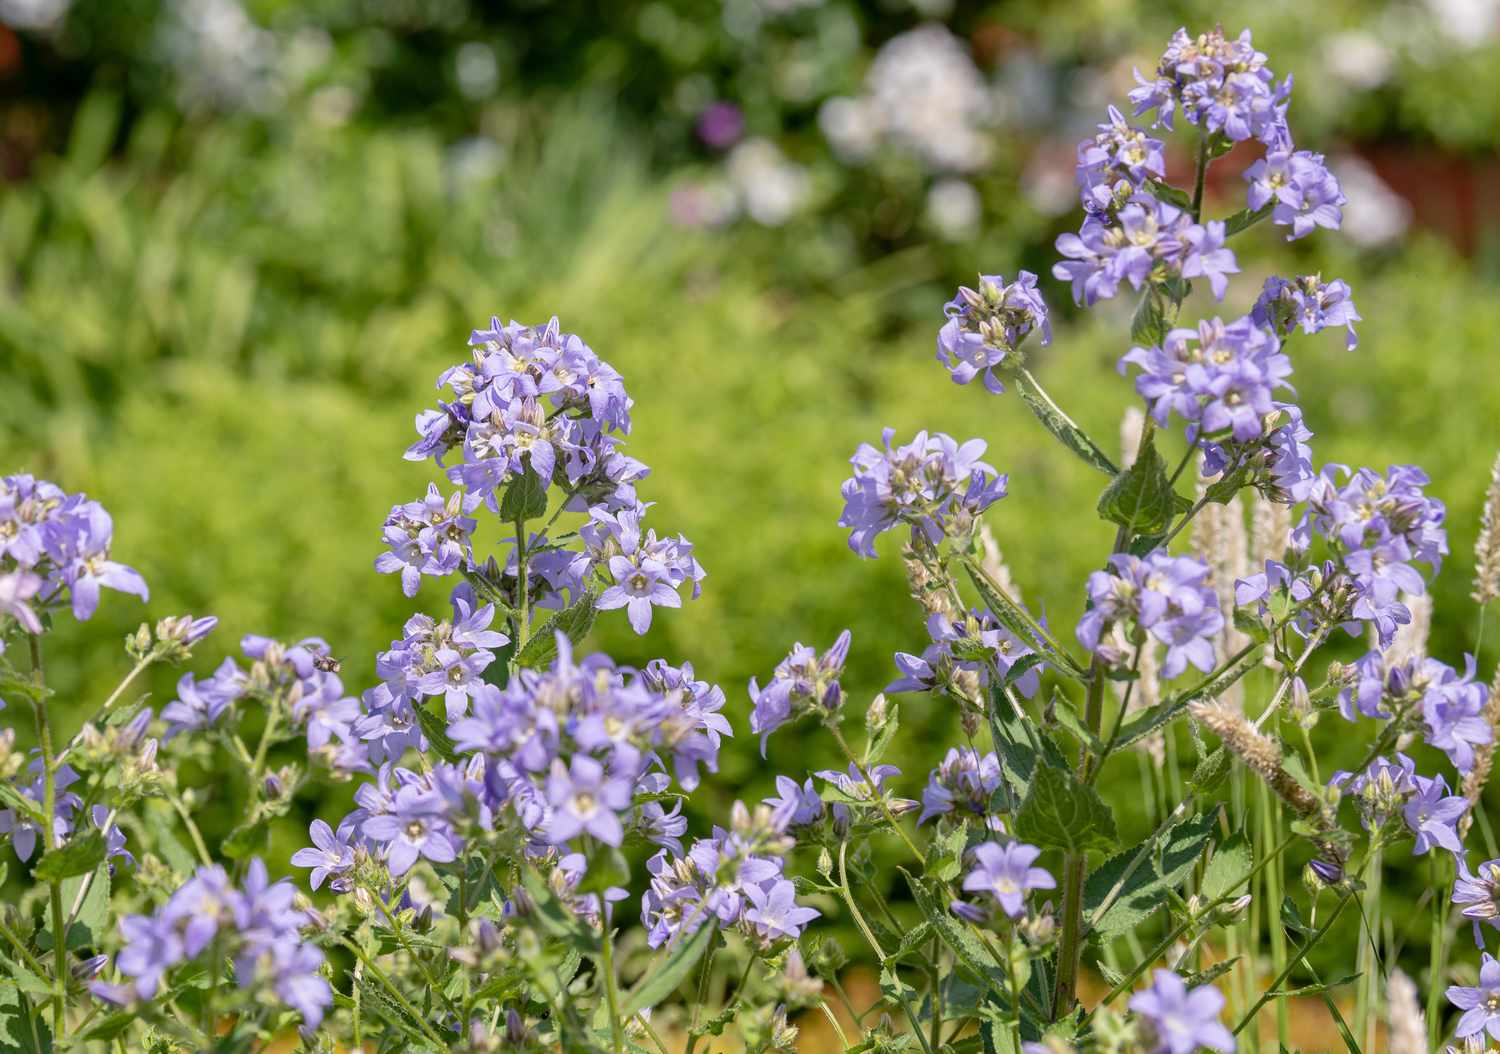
column 879, row 713
column 1229, row 912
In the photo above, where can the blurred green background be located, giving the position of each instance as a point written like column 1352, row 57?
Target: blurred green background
column 240, row 238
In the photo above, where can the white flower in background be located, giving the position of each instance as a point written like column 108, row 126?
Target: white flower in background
column 477, row 71
column 931, row 98
column 924, row 94
column 851, row 126
column 1047, row 183
column 473, row 162
column 953, row 209
column 1375, row 215
column 769, row 186
column 221, row 56
column 1467, row 23
column 712, row 203
column 33, row 14
column 1359, row 59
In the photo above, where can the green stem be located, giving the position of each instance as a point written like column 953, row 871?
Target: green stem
column 611, row 993
column 1286, row 971
column 878, row 797
column 1198, row 179
column 1439, row 955
column 401, row 1000
column 108, row 707
column 49, row 841
column 258, row 763
column 523, row 588
column 192, row 828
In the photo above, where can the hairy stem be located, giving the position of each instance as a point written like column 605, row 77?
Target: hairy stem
column 49, row 841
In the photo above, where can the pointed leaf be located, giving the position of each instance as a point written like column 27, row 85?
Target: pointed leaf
column 1061, row 812
column 1061, row 425
column 663, row 980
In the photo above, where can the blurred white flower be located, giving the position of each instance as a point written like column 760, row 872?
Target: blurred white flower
column 222, row 57
column 769, row 186
column 931, row 98
column 851, row 126
column 476, row 70
column 33, row 14
column 953, row 209
column 1358, row 58
column 1468, row 23
column 707, row 204
column 1375, row 214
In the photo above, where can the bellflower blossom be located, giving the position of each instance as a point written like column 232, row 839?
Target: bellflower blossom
column 536, row 407
column 62, row 539
column 1478, row 891
column 1146, row 240
column 1182, row 1020
column 985, row 328
column 1218, row 378
column 734, row 877
column 1432, row 815
column 1449, row 705
column 965, row 780
column 428, row 537
column 803, row 682
column 1480, row 1003
column 976, row 643
column 1307, row 302
column 933, row 484
column 1303, row 193
column 1220, row 84
column 259, row 921
column 1005, row 874
column 1167, row 596
column 1118, row 160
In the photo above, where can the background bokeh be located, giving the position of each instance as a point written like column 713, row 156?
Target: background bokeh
column 240, row 238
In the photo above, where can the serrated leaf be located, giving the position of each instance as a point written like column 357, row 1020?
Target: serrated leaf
column 111, row 1026
column 971, row 954
column 1250, row 624
column 1061, row 425
column 1230, row 863
column 1148, row 721
column 574, row 622
column 945, row 854
column 1146, row 889
column 1141, row 498
column 1148, row 326
column 77, row 857
column 663, row 980
column 1244, row 219
column 1210, row 772
column 1168, row 193
column 1020, row 744
column 883, row 738
column 1061, row 812
column 23, row 1028
column 525, row 498
column 1018, row 620
column 1069, row 720
column 1196, row 978
column 435, row 728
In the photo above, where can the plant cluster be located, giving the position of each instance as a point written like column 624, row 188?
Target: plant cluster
column 478, row 895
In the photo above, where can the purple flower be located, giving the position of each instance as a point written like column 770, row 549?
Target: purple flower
column 585, row 799
column 1206, row 257
column 428, row 537
column 965, row 780
column 802, row 682
column 201, row 703
column 1164, row 595
column 77, row 542
column 1220, row 84
column 1432, row 814
column 796, row 805
column 1479, row 893
column 1305, row 194
column 977, row 643
column 1308, row 302
column 330, row 855
column 774, row 912
column 1120, row 157
column 1006, row 874
column 1381, row 790
column 637, row 587
column 16, row 589
column 720, row 125
column 1181, row 1020
column 414, row 828
column 152, row 946
column 933, row 484
column 1480, row 1004
column 985, row 328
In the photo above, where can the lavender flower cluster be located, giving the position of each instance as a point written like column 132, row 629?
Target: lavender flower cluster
column 258, row 926
column 534, row 409
column 1165, row 596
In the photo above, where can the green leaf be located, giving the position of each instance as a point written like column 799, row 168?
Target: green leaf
column 14, row 799
column 1020, row 743
column 1170, row 194
column 663, row 980
column 1148, row 326
column 884, row 736
column 78, row 857
column 525, row 498
column 1061, row 425
column 435, row 728
column 1148, row 721
column 93, row 914
column 1210, row 772
column 1250, row 624
column 1141, row 498
column 247, row 838
column 1018, row 620
column 109, row 1027
column 971, row 954
column 1061, row 812
column 1067, row 717
column 574, row 622
column 1226, row 868
column 1147, row 888
column 23, row 1027
column 1245, row 218
column 945, row 854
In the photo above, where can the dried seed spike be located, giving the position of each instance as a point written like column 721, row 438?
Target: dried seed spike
column 1484, row 758
column 1260, row 753
column 1487, row 547
column 1408, row 1028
